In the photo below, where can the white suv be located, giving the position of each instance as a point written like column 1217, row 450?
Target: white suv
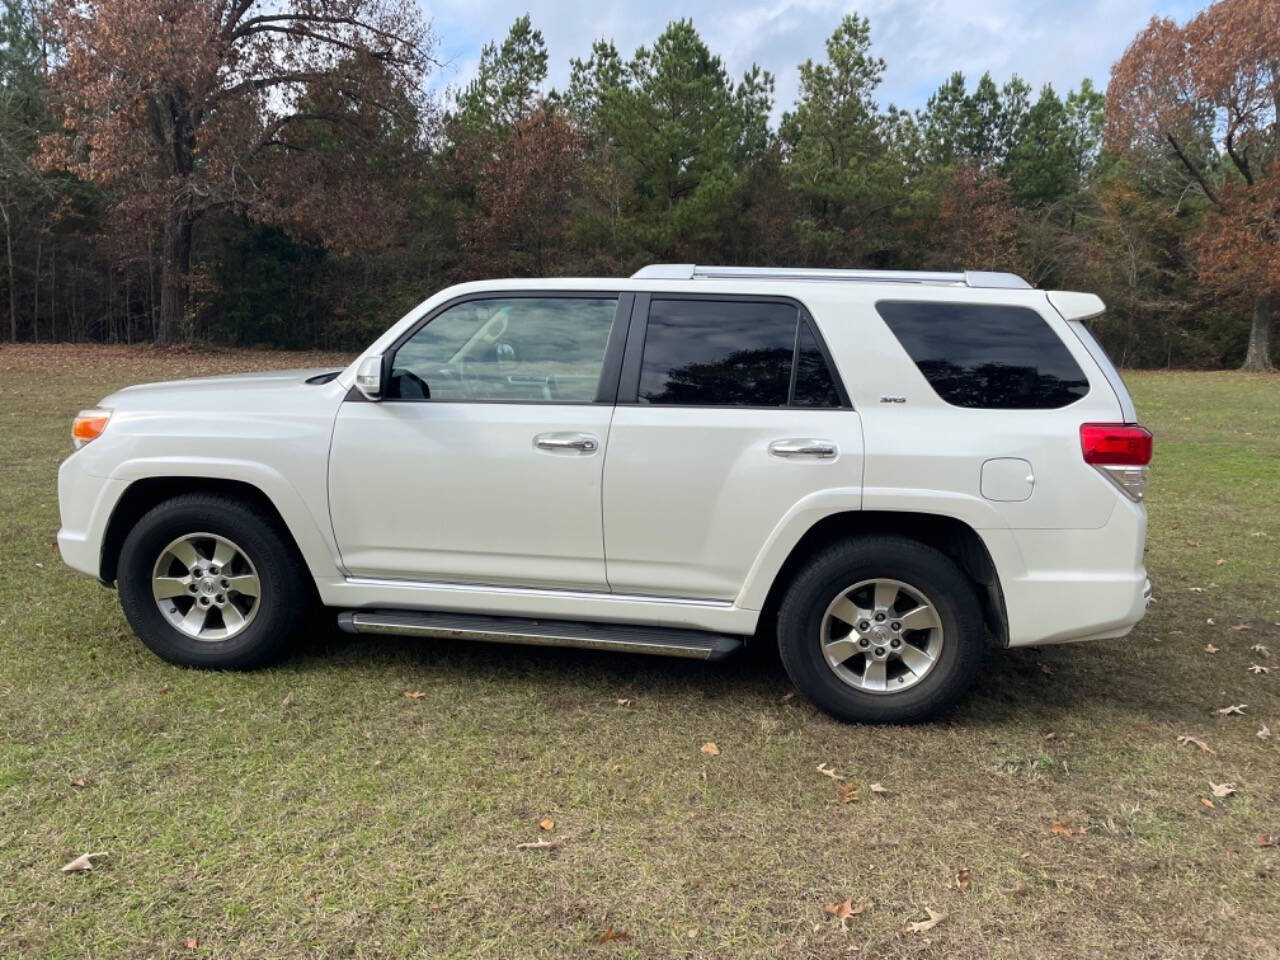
column 887, row 469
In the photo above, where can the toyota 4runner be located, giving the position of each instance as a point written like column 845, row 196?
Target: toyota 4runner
column 887, row 471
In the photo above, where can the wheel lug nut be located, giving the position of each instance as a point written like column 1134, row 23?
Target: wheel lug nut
column 226, row 583
column 879, row 618
column 879, row 651
column 192, row 587
column 864, row 642
column 864, row 625
column 220, row 598
column 895, row 625
column 895, row 644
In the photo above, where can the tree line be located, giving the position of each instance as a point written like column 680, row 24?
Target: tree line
column 242, row 172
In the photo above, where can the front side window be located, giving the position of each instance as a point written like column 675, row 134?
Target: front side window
column 718, row 353
column 986, row 355
column 532, row 349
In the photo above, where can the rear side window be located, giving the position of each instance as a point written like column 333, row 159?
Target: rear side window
column 718, row 353
column 985, row 355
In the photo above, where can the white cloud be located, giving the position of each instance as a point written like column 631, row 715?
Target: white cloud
column 922, row 41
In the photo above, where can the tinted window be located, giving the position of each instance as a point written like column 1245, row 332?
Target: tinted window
column 537, row 349
column 977, row 355
column 815, row 387
column 718, row 353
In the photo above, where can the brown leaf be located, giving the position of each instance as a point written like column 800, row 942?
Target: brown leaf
column 623, row 701
column 845, row 911
column 848, row 793
column 828, row 771
column 81, row 862
column 1260, row 649
column 539, row 844
column 1266, row 840
column 78, row 782
column 1210, row 648
column 191, row 943
column 1256, row 668
column 1241, row 627
column 920, row 926
column 1221, row 562
column 1222, row 789
column 546, row 823
column 288, row 699
column 612, row 934
column 1185, row 739
column 1192, row 543
column 1205, row 801
column 710, row 749
column 878, row 788
column 164, row 688
column 963, row 876
column 1237, row 709
column 414, row 694
column 1063, row 828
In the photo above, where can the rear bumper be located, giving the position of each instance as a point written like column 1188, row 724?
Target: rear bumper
column 1062, row 586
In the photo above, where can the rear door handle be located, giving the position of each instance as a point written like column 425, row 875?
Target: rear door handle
column 803, row 447
column 581, row 442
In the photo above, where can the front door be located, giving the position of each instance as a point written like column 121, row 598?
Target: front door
column 483, row 462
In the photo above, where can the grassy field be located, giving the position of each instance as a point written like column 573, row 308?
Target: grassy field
column 315, row 810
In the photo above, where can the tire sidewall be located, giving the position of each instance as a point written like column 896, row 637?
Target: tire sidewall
column 262, row 639
column 924, row 569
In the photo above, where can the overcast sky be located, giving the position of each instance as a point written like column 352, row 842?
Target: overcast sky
column 922, row 41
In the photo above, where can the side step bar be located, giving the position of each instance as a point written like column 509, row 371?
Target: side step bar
column 663, row 641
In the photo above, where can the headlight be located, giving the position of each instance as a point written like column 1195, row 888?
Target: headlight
column 88, row 425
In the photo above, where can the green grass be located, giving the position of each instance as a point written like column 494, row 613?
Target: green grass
column 313, row 811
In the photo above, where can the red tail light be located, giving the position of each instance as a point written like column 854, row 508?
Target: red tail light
column 1115, row 444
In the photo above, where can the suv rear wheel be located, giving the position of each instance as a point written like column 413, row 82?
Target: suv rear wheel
column 881, row 630
column 209, row 581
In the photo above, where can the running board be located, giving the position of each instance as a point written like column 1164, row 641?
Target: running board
column 663, row 641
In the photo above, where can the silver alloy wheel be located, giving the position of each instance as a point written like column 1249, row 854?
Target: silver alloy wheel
column 881, row 636
column 206, row 587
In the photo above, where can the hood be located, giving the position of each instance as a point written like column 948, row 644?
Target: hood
column 234, row 388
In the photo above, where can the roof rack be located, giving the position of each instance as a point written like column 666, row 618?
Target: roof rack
column 967, row 278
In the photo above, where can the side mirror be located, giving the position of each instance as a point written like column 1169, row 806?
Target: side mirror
column 369, row 377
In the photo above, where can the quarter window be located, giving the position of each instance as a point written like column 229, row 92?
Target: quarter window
column 531, row 349
column 985, row 355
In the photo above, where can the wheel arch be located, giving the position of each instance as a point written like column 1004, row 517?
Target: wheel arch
column 147, row 492
column 949, row 535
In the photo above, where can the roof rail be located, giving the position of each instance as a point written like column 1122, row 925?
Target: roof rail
column 967, row 278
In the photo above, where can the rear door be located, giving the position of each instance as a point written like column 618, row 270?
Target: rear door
column 729, row 414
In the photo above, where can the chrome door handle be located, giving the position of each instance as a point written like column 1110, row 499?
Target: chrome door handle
column 815, row 449
column 582, row 442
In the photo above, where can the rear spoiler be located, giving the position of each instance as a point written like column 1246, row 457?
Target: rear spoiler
column 1076, row 308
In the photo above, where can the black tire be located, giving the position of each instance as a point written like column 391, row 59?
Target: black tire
column 840, row 566
column 285, row 595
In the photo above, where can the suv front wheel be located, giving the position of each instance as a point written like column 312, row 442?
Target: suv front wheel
column 881, row 629
column 209, row 581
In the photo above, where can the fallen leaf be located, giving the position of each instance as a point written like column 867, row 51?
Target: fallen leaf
column 546, row 823
column 78, row 782
column 848, row 793
column 612, row 934
column 1210, row 648
column 844, row 912
column 962, row 879
column 1017, row 890
column 1256, row 668
column 878, row 788
column 1222, row 789
column 623, row 701
column 1266, row 840
column 1260, row 649
column 1051, row 735
column 828, row 771
column 1221, row 562
column 710, row 749
column 288, row 699
column 1192, row 543
column 164, row 688
column 1207, row 802
column 1264, row 732
column 920, row 926
column 414, row 694
column 693, row 933
column 1237, row 709
column 1210, row 621
column 191, row 943
column 1061, row 828
column 788, row 696
column 1187, row 739
column 1196, row 589
column 81, row 862
column 539, row 844
column 1241, row 627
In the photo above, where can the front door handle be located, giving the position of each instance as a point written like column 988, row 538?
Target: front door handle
column 803, row 447
column 581, row 442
